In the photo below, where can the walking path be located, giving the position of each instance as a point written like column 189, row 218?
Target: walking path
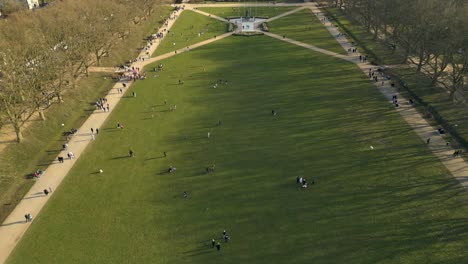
column 14, row 226
column 247, row 4
column 286, row 13
column 312, row 47
column 186, row 49
column 206, row 14
column 102, row 69
column 456, row 165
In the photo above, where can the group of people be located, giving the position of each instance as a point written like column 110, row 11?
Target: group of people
column 102, row 104
column 395, row 100
column 303, row 182
column 220, row 82
column 217, row 244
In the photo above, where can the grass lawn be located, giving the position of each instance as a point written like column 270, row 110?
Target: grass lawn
column 395, row 204
column 305, row 27
column 264, row 11
column 185, row 32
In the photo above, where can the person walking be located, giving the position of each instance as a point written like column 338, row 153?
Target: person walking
column 92, row 131
column 165, row 154
column 208, row 135
column 213, row 243
column 428, row 140
column 97, row 131
column 218, row 246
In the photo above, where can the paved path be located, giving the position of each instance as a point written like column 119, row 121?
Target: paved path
column 312, row 47
column 286, row 13
column 188, row 48
column 101, row 69
column 457, row 166
column 206, row 14
column 246, row 4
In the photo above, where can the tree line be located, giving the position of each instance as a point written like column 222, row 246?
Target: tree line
column 432, row 34
column 42, row 53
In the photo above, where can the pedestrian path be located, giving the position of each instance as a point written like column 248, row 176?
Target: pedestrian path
column 286, row 13
column 102, row 69
column 311, row 47
column 456, row 165
column 188, row 48
column 207, row 14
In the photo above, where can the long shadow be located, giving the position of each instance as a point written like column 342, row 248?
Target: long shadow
column 13, row 223
column 154, row 158
column 205, row 249
column 121, row 157
column 32, row 197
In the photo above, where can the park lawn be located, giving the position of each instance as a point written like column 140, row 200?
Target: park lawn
column 395, row 204
column 185, row 31
column 305, row 27
column 263, row 11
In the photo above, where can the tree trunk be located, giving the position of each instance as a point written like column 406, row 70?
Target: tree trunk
column 59, row 97
column 98, row 59
column 376, row 33
column 42, row 115
column 19, row 135
column 420, row 62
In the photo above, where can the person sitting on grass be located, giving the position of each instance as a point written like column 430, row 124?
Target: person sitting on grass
column 171, row 169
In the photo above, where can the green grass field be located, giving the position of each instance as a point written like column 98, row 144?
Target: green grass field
column 264, row 11
column 396, row 204
column 185, row 32
column 305, row 27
